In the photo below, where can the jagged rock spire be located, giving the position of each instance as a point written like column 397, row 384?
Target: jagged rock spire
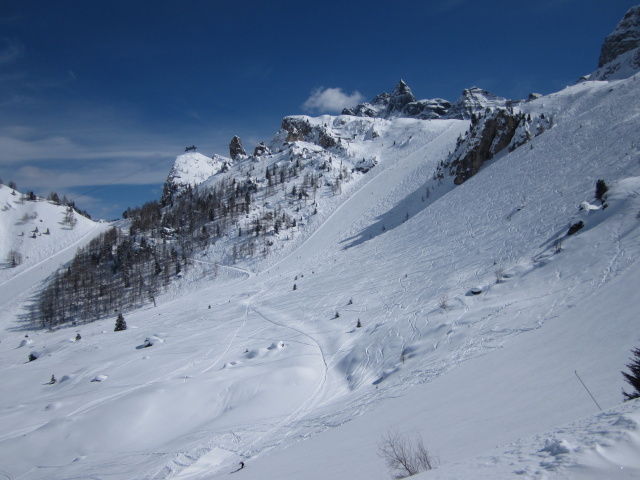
column 400, row 97
column 235, row 148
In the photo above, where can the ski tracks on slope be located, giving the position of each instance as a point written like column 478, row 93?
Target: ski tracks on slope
column 306, row 406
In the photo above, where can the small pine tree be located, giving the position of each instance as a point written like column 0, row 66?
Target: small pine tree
column 601, row 190
column 120, row 323
column 633, row 378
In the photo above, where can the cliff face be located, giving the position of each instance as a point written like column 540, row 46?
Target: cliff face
column 488, row 136
column 620, row 53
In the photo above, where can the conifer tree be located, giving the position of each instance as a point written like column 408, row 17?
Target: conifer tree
column 601, row 190
column 120, row 323
column 633, row 378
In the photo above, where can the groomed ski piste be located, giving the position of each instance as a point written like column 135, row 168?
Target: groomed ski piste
column 243, row 368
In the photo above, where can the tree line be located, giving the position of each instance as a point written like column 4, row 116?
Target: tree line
column 121, row 270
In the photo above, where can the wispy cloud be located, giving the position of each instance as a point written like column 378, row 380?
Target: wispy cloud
column 15, row 150
column 45, row 176
column 10, row 51
column 331, row 100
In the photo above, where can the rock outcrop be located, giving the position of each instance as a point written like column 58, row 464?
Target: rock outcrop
column 235, row 148
column 402, row 103
column 399, row 98
column 620, row 52
column 261, row 149
column 475, row 101
column 488, row 136
column 300, row 129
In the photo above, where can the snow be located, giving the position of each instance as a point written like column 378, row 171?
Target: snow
column 272, row 377
column 194, row 168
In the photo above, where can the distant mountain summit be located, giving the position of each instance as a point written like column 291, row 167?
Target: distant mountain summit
column 192, row 169
column 475, row 100
column 402, row 103
column 620, row 53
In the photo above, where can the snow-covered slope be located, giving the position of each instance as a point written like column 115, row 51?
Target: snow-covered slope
column 36, row 238
column 489, row 380
column 192, row 169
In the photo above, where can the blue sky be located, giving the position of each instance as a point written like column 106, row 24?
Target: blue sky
column 98, row 98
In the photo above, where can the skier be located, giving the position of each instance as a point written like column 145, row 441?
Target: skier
column 78, row 337
column 241, row 465
column 53, row 380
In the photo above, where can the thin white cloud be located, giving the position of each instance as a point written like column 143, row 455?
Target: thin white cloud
column 331, row 100
column 10, row 51
column 48, row 176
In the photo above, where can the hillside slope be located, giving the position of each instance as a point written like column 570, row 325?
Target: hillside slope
column 246, row 367
column 41, row 236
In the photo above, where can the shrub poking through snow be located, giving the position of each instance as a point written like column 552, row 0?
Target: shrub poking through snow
column 403, row 457
column 443, row 302
column 633, row 378
column 120, row 323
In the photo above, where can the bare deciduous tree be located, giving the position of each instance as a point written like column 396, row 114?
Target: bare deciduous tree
column 404, row 457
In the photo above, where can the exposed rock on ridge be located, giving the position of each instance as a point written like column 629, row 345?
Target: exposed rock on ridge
column 235, row 148
column 488, row 136
column 474, row 100
column 298, row 129
column 261, row 149
column 402, row 103
column 620, row 52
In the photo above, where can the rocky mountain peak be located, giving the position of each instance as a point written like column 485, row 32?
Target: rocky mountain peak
column 236, row 149
column 402, row 103
column 625, row 37
column 399, row 98
column 620, row 53
column 402, row 89
column 475, row 100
